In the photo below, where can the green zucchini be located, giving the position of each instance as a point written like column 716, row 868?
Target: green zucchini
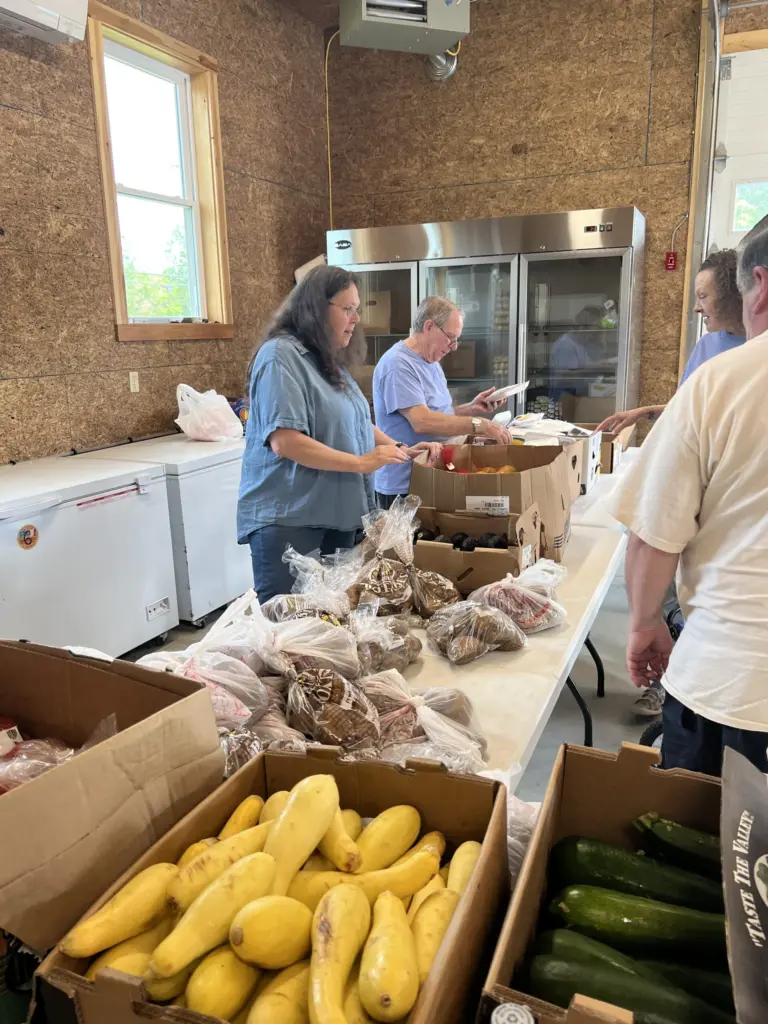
column 577, row 860
column 565, row 944
column 711, row 986
column 558, row 981
column 686, row 847
column 634, row 922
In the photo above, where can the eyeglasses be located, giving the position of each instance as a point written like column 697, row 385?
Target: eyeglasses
column 348, row 311
column 453, row 341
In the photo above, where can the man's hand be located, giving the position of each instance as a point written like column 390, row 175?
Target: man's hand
column 648, row 652
column 433, row 447
column 483, row 404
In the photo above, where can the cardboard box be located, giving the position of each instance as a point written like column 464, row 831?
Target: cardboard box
column 545, row 475
column 363, row 376
column 586, row 410
column 376, row 312
column 612, row 446
column 67, row 835
column 597, row 794
column 591, row 459
column 460, row 364
column 463, row 807
column 472, row 569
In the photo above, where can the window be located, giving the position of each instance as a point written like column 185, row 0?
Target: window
column 157, row 121
column 750, row 204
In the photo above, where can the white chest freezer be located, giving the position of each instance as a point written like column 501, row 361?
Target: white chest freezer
column 203, row 479
column 85, row 554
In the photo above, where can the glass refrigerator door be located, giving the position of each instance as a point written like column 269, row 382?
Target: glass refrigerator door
column 387, row 303
column 485, row 289
column 573, row 333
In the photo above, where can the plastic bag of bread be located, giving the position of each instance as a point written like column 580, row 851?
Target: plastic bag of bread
column 543, row 576
column 237, row 694
column 411, row 727
column 329, row 709
column 466, row 631
column 320, row 587
column 382, row 643
column 531, row 608
column 240, row 746
column 272, row 730
column 455, row 705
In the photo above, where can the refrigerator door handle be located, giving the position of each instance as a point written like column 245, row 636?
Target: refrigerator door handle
column 26, row 511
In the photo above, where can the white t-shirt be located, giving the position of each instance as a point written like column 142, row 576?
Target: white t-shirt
column 700, row 489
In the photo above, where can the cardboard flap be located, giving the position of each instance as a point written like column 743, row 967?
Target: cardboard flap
column 327, row 753
column 632, row 754
column 421, row 764
column 584, row 1010
column 111, row 996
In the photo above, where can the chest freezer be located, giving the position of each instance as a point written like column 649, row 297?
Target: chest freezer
column 85, row 554
column 203, row 479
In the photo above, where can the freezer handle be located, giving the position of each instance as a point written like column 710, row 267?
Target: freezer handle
column 27, row 511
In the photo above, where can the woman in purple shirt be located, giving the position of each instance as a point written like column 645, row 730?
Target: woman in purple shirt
column 719, row 301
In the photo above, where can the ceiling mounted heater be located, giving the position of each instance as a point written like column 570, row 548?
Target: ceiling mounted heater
column 408, row 26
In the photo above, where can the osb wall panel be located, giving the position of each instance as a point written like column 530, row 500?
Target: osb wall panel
column 63, row 376
column 556, row 106
column 748, row 19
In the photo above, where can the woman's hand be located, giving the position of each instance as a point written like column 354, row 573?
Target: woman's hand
column 483, row 404
column 433, row 447
column 619, row 420
column 382, row 455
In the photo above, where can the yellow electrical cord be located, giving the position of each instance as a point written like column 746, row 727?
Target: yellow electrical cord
column 456, row 52
column 328, row 133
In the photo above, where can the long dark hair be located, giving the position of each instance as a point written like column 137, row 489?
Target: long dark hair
column 304, row 316
column 727, row 295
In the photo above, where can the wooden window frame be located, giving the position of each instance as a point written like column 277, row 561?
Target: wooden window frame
column 105, row 23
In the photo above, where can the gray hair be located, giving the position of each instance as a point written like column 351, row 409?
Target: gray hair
column 435, row 308
column 753, row 252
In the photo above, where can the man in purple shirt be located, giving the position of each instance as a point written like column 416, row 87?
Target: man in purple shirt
column 410, row 393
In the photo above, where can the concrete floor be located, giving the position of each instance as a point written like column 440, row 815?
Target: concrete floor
column 612, row 716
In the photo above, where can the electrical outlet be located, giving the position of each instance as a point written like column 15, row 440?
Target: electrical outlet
column 158, row 608
column 133, row 381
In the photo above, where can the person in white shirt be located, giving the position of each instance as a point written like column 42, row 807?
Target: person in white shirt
column 696, row 501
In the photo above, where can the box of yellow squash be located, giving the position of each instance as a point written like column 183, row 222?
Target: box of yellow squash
column 69, row 833
column 256, row 929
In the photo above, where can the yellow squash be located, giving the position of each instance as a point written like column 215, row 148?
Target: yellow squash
column 462, row 865
column 317, row 862
column 194, row 851
column 180, row 1000
column 134, row 964
column 432, row 842
column 404, row 880
column 284, row 999
column 388, row 837
column 221, row 984
column 353, row 823
column 389, row 976
column 444, row 872
column 213, row 862
column 126, row 956
column 273, row 808
column 354, row 1010
column 432, row 886
column 132, row 910
column 272, row 932
column 303, row 822
column 339, row 929
column 207, row 922
column 430, row 925
column 338, row 848
column 244, row 816
column 162, row 990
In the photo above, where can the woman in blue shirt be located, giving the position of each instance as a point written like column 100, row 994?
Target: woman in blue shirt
column 310, row 448
column 719, row 301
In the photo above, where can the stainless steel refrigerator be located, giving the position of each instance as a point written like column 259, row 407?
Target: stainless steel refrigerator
column 554, row 299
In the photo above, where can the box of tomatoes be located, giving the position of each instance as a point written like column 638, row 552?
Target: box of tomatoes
column 328, row 887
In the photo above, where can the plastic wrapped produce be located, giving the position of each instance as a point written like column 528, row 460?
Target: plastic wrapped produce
column 332, row 710
column 382, row 643
column 529, row 599
column 466, row 631
column 30, row 758
column 240, row 746
column 237, row 694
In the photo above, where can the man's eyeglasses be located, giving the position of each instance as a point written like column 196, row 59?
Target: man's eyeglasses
column 348, row 311
column 453, row 341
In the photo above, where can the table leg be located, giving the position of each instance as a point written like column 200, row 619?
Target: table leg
column 598, row 665
column 584, row 710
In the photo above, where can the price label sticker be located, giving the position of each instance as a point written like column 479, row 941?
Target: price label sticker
column 493, row 506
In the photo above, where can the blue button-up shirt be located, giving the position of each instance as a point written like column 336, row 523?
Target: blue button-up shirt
column 288, row 391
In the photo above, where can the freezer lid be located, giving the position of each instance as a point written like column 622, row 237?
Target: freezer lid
column 45, row 483
column 177, row 453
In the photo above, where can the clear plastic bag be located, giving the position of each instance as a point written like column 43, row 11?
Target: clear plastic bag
column 543, row 576
column 237, row 693
column 521, row 819
column 466, row 631
column 206, row 416
column 31, row 758
column 329, row 709
column 273, row 731
column 240, row 746
column 381, row 643
column 528, row 600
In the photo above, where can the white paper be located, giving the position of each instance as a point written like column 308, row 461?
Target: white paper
column 508, row 392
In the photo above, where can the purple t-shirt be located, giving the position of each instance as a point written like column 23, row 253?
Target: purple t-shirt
column 708, row 346
column 401, row 380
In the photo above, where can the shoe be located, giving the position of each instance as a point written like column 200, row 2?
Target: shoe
column 650, row 702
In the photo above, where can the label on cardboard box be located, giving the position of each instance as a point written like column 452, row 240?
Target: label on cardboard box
column 497, row 505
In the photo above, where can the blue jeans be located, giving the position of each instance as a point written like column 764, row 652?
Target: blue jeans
column 271, row 576
column 693, row 742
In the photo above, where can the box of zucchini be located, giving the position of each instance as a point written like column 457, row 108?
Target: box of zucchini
column 620, row 898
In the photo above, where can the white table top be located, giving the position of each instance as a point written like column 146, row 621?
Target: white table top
column 514, row 693
column 592, row 509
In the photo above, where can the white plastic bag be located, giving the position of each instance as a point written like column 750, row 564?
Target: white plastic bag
column 238, row 695
column 207, row 416
column 529, row 599
column 521, row 819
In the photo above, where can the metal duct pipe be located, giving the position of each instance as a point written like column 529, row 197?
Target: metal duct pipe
column 442, row 66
